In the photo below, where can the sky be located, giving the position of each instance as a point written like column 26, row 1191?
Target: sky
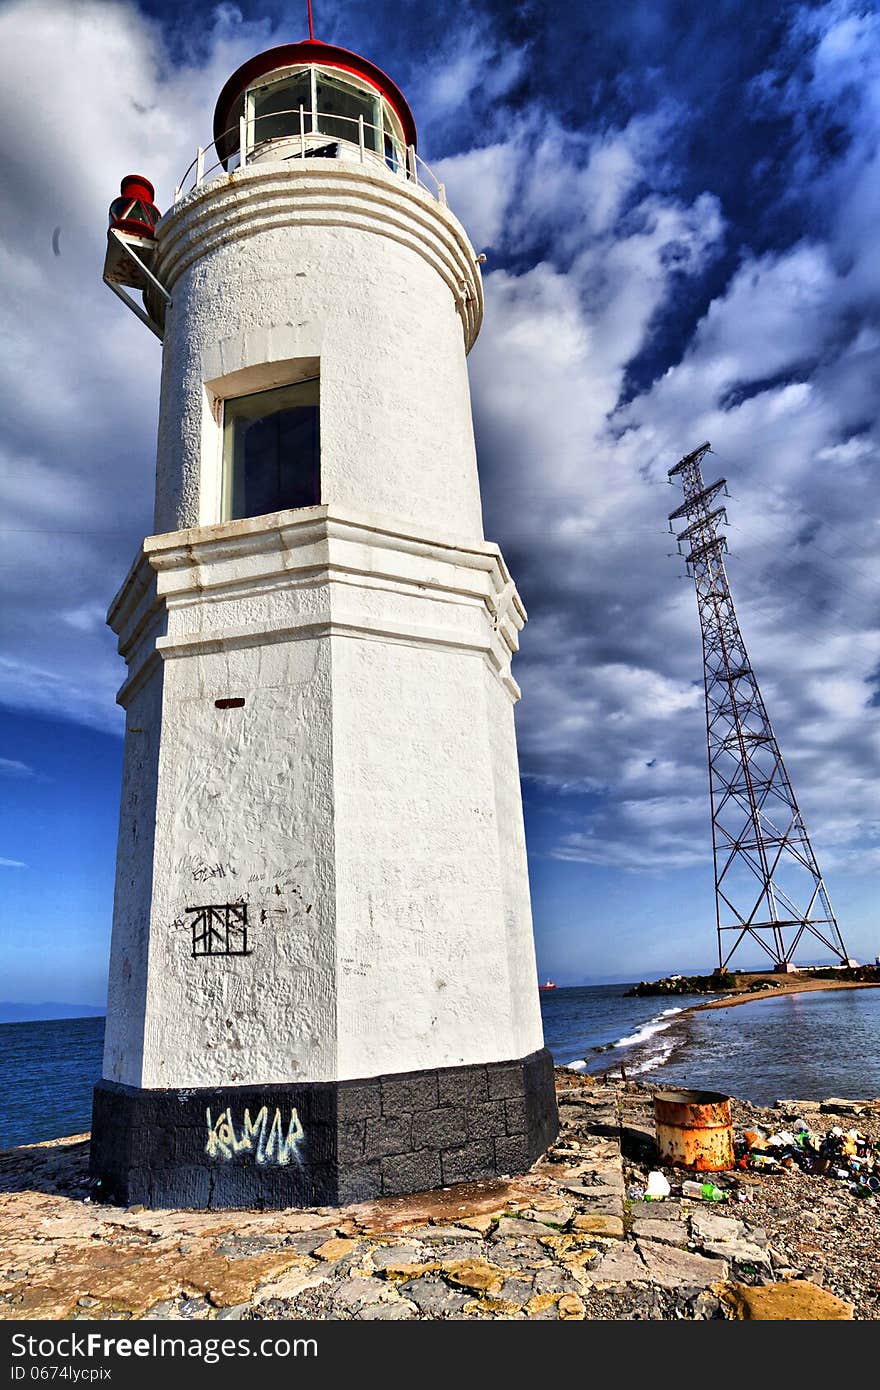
column 679, row 206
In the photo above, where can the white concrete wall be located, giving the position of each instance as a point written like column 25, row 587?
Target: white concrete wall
column 129, row 954
column 525, row 1009
column 376, row 285
column 361, row 803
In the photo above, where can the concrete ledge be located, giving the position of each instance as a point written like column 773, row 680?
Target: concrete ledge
column 322, row 1143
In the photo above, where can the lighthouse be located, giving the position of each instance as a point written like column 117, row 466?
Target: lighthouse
column 322, row 980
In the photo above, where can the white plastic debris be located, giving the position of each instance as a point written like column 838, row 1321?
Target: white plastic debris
column 657, row 1187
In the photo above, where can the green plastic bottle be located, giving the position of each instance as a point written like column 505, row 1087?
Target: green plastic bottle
column 705, row 1191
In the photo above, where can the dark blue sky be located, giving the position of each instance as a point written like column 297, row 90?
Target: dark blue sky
column 679, row 204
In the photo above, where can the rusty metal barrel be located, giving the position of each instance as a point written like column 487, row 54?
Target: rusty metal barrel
column 694, row 1130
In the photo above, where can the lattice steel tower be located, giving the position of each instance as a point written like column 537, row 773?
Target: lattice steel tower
column 767, row 883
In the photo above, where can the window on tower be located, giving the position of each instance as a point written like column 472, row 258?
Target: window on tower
column 276, row 108
column 271, row 451
column 340, row 104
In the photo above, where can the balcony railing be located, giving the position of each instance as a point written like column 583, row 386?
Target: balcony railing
column 362, row 143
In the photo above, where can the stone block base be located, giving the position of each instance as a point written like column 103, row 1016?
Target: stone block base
column 321, row 1143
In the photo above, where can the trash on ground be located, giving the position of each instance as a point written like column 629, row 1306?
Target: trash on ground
column 703, row 1191
column 846, row 1155
column 657, row 1188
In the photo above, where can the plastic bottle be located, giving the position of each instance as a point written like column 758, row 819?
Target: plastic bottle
column 705, row 1191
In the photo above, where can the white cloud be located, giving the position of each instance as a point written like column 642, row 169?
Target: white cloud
column 11, row 767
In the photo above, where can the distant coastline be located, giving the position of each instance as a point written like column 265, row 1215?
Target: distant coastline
column 47, row 1012
column 795, row 986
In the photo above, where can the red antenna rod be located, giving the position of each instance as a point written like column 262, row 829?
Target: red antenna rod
column 311, row 25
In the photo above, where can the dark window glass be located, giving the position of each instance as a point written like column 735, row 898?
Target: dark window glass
column 271, row 451
column 276, row 108
column 339, row 107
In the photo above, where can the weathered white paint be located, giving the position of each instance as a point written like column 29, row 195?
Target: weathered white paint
column 368, row 276
column 365, row 802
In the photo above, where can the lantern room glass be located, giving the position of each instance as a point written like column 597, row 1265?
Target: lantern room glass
column 339, row 105
column 271, row 451
column 276, row 108
column 331, row 106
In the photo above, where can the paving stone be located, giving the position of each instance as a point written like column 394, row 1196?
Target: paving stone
column 621, row 1265
column 306, row 1242
column 475, row 1274
column 595, row 1194
column 335, row 1249
column 517, row 1290
column 740, row 1252
column 513, row 1228
column 673, row 1269
column 555, row 1280
column 470, row 1250
column 513, row 1254
column 795, row 1300
column 571, row 1306
column 708, row 1225
column 194, row 1308
column 670, row 1232
column 384, row 1256
column 438, row 1234
column 354, row 1293
column 599, row 1224
column 667, row 1210
column 548, row 1216
column 435, row 1298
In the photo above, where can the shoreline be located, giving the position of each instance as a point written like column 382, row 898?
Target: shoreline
column 669, row 1039
column 796, row 987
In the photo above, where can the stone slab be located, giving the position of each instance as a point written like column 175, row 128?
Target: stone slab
column 708, row 1225
column 620, row 1265
column 667, row 1232
column 599, row 1224
column 794, row 1300
column 674, row 1269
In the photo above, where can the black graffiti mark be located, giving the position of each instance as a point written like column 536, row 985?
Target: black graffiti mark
column 202, row 872
column 219, row 930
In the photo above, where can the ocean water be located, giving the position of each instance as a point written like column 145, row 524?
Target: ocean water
column 47, row 1071
column 796, row 1046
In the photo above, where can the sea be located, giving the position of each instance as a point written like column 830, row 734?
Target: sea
column 793, row 1046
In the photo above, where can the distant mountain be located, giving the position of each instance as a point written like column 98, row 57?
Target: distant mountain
column 36, row 1013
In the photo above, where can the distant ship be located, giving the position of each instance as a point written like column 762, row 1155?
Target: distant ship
column 548, row 984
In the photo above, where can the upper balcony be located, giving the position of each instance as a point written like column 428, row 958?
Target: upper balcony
column 312, row 114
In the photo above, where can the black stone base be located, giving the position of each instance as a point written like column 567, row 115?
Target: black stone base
column 322, row 1143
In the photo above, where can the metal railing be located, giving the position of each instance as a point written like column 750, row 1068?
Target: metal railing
column 301, row 143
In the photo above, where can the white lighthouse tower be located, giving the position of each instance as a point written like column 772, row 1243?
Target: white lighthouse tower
column 322, row 976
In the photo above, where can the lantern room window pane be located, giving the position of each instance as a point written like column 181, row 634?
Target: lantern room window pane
column 271, row 451
column 338, row 107
column 276, row 108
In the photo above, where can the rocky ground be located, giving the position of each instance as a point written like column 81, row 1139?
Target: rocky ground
column 564, row 1242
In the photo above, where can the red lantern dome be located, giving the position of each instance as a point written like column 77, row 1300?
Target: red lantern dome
column 311, row 55
column 134, row 210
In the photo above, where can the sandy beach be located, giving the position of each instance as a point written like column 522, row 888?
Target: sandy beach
column 792, row 986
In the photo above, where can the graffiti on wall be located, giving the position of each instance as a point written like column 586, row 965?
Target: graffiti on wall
column 267, row 1141
column 219, row 930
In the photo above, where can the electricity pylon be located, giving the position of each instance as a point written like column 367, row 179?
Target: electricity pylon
column 767, row 882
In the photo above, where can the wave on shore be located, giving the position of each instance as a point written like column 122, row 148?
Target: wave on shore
column 651, row 1044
